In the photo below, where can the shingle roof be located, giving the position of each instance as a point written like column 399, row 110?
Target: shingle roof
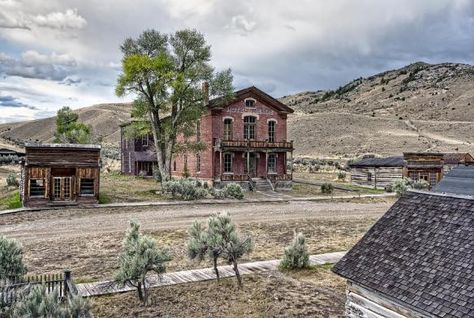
column 456, row 157
column 460, row 180
column 396, row 161
column 421, row 253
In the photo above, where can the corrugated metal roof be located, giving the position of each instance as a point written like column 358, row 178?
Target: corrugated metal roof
column 460, row 180
column 396, row 161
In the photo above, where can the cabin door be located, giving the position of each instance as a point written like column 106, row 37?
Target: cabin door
column 62, row 188
column 251, row 164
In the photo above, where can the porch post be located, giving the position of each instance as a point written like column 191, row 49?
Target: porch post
column 266, row 164
column 291, row 167
column 248, row 163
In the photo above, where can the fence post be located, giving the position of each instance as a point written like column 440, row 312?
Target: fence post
column 67, row 277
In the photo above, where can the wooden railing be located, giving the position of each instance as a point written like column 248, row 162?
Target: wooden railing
column 253, row 144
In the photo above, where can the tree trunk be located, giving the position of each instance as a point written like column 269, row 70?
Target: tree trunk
column 215, row 269
column 140, row 292
column 145, row 292
column 237, row 274
column 163, row 156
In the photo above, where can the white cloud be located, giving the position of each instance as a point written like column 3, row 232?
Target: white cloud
column 59, row 20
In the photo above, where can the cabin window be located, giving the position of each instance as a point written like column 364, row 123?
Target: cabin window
column 249, row 127
column 228, row 129
column 198, row 162
column 145, row 140
column 272, row 163
column 198, row 131
column 271, row 131
column 249, row 103
column 174, row 165
column 369, row 176
column 227, row 162
column 87, row 186
column 37, row 187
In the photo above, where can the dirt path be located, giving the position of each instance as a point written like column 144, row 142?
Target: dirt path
column 49, row 225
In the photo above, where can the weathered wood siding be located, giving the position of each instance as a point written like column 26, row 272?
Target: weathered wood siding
column 364, row 303
column 380, row 176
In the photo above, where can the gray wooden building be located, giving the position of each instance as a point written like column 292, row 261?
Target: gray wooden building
column 416, row 261
column 376, row 172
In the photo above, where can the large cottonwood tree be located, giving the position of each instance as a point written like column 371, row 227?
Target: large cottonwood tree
column 166, row 74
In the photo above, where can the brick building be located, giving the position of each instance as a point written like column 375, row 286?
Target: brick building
column 246, row 142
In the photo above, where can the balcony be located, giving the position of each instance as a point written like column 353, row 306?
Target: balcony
column 253, row 145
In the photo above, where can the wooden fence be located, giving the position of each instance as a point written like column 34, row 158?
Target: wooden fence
column 12, row 290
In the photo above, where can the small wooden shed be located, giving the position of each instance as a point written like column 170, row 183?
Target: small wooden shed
column 60, row 174
column 376, row 172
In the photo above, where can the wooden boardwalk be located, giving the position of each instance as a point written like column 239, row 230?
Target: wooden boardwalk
column 198, row 275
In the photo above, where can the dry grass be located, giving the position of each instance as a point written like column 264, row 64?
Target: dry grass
column 122, row 188
column 309, row 293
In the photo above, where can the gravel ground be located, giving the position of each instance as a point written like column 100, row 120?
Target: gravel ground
column 88, row 241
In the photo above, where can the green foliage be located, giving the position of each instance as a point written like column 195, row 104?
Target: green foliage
column 222, row 232
column 12, row 181
column 296, row 255
column 104, row 198
column 69, row 130
column 233, row 190
column 420, row 185
column 11, row 260
column 38, row 303
column 166, row 72
column 341, row 175
column 185, row 189
column 402, row 186
column 12, row 201
column 327, row 188
column 139, row 256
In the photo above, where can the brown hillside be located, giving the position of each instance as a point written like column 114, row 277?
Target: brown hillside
column 104, row 120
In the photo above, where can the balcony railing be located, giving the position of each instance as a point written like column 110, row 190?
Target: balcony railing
column 253, row 144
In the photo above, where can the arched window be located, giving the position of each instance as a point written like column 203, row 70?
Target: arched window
column 228, row 129
column 271, row 131
column 249, row 127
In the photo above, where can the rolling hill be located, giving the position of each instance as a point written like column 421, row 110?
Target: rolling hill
column 419, row 107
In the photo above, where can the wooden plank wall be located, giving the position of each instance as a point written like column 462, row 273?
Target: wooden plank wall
column 362, row 302
column 62, row 157
column 381, row 176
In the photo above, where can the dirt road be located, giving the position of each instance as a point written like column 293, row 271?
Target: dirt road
column 88, row 240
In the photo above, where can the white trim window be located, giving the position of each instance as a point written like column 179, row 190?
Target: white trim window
column 249, row 127
column 271, row 130
column 250, row 102
column 228, row 163
column 272, row 163
column 228, row 129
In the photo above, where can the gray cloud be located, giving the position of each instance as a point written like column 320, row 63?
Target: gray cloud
column 10, row 101
column 35, row 65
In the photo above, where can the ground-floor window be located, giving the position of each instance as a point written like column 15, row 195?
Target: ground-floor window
column 37, row 187
column 198, row 162
column 272, row 163
column 87, row 186
column 145, row 168
column 369, row 176
column 227, row 162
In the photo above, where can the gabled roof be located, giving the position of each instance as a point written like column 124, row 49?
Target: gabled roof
column 460, row 180
column 251, row 92
column 62, row 146
column 396, row 161
column 420, row 254
column 457, row 157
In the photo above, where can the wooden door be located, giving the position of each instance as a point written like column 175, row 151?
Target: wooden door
column 62, row 188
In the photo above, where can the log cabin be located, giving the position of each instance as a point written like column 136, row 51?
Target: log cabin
column 416, row 261
column 376, row 172
column 60, row 174
column 246, row 142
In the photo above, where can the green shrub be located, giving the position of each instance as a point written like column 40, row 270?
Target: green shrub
column 11, row 259
column 420, row 185
column 12, row 180
column 104, row 198
column 233, row 190
column 185, row 189
column 12, row 202
column 388, row 188
column 296, row 255
column 327, row 188
column 341, row 175
column 402, row 186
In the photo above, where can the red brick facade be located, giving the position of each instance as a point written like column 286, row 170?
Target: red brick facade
column 260, row 152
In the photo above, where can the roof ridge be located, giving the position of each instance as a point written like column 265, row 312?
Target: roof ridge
column 443, row 194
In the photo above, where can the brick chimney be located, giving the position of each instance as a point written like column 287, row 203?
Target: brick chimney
column 205, row 92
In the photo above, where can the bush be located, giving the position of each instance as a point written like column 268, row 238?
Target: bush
column 341, row 175
column 185, row 189
column 233, row 190
column 388, row 188
column 327, row 188
column 104, row 198
column 401, row 186
column 11, row 259
column 12, row 181
column 420, row 185
column 296, row 255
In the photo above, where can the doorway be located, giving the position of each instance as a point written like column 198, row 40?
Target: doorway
column 62, row 188
column 251, row 164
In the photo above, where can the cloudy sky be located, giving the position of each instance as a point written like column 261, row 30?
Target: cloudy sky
column 66, row 52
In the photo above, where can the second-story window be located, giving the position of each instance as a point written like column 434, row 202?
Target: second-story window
column 271, row 131
column 249, row 127
column 227, row 129
column 249, row 103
